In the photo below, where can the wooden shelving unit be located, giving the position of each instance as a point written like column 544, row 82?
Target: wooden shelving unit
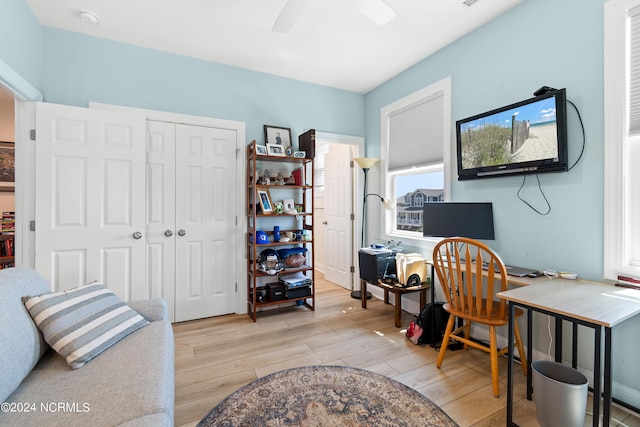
column 302, row 194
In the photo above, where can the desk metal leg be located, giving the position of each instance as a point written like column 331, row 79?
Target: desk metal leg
column 574, row 347
column 558, row 354
column 510, row 367
column 606, row 412
column 529, row 352
column 597, row 360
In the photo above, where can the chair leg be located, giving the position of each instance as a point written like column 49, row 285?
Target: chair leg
column 518, row 339
column 467, row 333
column 445, row 339
column 493, row 343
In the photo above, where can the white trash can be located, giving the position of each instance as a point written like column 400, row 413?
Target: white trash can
column 560, row 394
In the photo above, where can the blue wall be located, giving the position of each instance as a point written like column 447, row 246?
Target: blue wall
column 81, row 69
column 21, row 42
column 540, row 42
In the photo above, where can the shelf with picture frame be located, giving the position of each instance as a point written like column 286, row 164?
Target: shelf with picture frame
column 285, row 202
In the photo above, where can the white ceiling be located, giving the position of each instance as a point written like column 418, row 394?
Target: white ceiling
column 332, row 44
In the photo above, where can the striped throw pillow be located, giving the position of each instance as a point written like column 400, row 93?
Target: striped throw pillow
column 81, row 323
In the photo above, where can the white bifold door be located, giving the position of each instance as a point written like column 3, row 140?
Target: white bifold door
column 191, row 197
column 147, row 208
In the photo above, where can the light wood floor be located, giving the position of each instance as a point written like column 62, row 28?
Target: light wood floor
column 216, row 356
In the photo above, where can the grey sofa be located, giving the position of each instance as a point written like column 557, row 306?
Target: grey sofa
column 130, row 384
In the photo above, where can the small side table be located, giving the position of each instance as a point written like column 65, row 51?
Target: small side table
column 398, row 292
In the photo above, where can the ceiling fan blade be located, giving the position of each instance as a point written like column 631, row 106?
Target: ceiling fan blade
column 289, row 15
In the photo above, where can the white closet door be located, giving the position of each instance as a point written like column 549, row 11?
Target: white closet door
column 161, row 211
column 90, row 198
column 206, row 228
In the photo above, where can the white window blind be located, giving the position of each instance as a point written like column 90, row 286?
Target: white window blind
column 416, row 134
column 634, row 71
column 321, row 151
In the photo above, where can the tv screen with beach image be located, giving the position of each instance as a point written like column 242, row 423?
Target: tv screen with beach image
column 518, row 135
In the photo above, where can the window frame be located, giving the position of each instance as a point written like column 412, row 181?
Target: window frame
column 389, row 216
column 618, row 187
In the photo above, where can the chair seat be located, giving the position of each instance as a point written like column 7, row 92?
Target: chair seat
column 494, row 319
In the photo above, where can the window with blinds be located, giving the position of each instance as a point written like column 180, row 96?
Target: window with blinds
column 622, row 138
column 415, row 132
column 318, row 180
column 634, row 71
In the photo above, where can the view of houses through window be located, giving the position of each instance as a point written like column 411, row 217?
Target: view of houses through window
column 412, row 191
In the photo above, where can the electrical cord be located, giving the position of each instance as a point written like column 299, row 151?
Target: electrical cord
column 524, row 179
column 584, row 135
column 550, row 337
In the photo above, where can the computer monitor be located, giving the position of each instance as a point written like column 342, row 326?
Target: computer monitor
column 463, row 219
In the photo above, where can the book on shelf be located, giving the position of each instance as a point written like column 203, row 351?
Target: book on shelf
column 8, row 223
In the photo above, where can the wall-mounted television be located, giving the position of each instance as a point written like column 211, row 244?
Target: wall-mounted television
column 458, row 219
column 526, row 137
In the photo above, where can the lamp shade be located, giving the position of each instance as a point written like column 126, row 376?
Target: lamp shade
column 365, row 162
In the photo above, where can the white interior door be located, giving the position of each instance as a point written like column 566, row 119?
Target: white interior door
column 206, row 222
column 161, row 211
column 338, row 211
column 89, row 198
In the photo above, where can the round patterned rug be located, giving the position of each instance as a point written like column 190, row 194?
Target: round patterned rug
column 315, row 396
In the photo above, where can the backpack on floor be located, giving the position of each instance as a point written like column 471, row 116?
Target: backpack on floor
column 423, row 331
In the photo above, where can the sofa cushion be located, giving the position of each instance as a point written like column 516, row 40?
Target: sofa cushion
column 21, row 344
column 132, row 384
column 81, row 323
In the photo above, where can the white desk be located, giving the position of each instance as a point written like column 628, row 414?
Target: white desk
column 595, row 305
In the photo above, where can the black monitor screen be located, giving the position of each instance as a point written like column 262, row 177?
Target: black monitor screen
column 472, row 220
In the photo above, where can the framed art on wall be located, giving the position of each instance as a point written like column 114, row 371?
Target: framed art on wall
column 7, row 166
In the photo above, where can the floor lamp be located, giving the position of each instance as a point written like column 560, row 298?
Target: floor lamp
column 366, row 163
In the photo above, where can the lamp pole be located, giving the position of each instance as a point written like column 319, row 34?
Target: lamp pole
column 365, row 163
column 364, row 207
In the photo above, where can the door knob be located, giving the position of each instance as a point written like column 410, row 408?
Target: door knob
column 324, row 223
column 137, row 235
column 181, row 232
column 168, row 233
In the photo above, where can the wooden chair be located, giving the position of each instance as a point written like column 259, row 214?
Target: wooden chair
column 458, row 264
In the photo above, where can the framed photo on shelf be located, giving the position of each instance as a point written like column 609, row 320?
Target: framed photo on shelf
column 277, row 135
column 265, row 202
column 276, row 150
column 7, row 166
column 261, row 150
column 288, row 204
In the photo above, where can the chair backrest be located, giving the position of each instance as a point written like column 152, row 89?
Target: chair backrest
column 458, row 263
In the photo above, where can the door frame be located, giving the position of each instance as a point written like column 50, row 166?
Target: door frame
column 24, row 95
column 357, row 182
column 240, row 128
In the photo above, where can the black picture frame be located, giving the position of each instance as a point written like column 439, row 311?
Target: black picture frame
column 277, row 135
